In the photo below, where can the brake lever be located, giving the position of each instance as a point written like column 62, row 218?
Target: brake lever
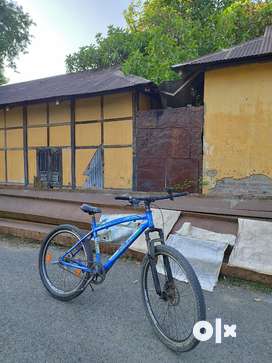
column 170, row 193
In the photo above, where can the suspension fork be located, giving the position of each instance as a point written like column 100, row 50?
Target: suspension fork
column 152, row 259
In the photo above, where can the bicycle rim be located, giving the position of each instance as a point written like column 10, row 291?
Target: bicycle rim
column 61, row 279
column 175, row 314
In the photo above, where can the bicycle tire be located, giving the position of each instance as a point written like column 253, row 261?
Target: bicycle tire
column 200, row 311
column 57, row 293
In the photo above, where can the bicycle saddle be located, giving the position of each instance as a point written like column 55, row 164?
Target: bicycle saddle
column 89, row 209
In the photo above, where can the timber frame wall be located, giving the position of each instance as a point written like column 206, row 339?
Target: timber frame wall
column 67, row 123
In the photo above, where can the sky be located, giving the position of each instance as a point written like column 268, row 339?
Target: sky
column 62, row 26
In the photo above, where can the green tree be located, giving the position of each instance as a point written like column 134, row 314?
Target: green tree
column 14, row 34
column 105, row 52
column 160, row 33
column 242, row 21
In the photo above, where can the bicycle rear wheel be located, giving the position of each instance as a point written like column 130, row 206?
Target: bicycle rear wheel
column 62, row 282
column 180, row 305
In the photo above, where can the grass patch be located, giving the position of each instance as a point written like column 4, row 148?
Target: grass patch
column 250, row 285
column 14, row 241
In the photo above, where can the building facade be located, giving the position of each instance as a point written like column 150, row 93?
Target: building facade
column 72, row 131
column 237, row 117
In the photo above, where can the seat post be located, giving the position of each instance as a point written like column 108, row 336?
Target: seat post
column 93, row 221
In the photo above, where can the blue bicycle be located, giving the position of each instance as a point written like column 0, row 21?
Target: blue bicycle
column 69, row 261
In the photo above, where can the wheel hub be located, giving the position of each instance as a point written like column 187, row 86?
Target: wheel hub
column 171, row 294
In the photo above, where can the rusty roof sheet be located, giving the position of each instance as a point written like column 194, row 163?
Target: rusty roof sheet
column 258, row 47
column 70, row 84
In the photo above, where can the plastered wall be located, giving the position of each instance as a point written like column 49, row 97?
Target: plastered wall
column 105, row 121
column 11, row 145
column 238, row 129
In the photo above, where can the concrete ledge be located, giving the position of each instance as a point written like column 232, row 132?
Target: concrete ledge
column 245, row 274
column 38, row 232
column 217, row 207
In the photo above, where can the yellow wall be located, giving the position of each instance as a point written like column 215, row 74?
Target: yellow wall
column 118, row 133
column 15, row 160
column 15, row 138
column 60, row 135
column 2, row 166
column 118, row 168
column 32, row 171
column 36, row 114
column 66, row 166
column 118, row 105
column 238, row 122
column 83, row 157
column 37, row 136
column 88, row 109
column 14, row 117
column 88, row 134
column 118, row 161
column 2, row 139
column 59, row 113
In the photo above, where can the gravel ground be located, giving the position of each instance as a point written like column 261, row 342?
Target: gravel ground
column 108, row 324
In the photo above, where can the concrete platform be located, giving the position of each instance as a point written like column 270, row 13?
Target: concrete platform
column 32, row 214
column 252, row 208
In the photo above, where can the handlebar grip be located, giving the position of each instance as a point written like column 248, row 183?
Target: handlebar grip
column 180, row 194
column 122, row 198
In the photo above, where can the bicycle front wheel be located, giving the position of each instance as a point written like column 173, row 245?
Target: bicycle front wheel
column 180, row 304
column 64, row 282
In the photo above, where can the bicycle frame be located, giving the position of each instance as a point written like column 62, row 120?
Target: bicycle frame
column 147, row 218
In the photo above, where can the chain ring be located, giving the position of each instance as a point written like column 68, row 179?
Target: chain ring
column 100, row 274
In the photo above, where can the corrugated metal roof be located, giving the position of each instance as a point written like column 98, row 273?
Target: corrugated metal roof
column 257, row 47
column 71, row 84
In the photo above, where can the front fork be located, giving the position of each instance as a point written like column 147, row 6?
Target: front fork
column 152, row 258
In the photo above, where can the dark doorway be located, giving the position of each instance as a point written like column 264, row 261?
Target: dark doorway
column 49, row 165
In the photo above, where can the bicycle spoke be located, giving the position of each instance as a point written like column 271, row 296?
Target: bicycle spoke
column 174, row 311
column 61, row 277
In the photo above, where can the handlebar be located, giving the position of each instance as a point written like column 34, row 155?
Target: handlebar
column 148, row 200
column 123, row 198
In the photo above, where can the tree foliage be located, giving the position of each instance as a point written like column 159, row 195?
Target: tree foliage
column 160, row 33
column 14, row 34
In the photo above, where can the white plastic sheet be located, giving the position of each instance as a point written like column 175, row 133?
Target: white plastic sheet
column 199, row 233
column 205, row 257
column 253, row 249
column 163, row 218
column 119, row 233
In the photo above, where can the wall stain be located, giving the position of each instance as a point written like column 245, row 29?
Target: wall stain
column 256, row 185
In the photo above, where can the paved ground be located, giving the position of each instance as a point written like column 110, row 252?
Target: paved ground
column 108, row 325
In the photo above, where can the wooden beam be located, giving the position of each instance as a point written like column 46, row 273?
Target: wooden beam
column 5, row 144
column 102, row 138
column 73, row 143
column 135, row 109
column 25, row 145
column 47, row 124
column 189, row 80
column 115, row 146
